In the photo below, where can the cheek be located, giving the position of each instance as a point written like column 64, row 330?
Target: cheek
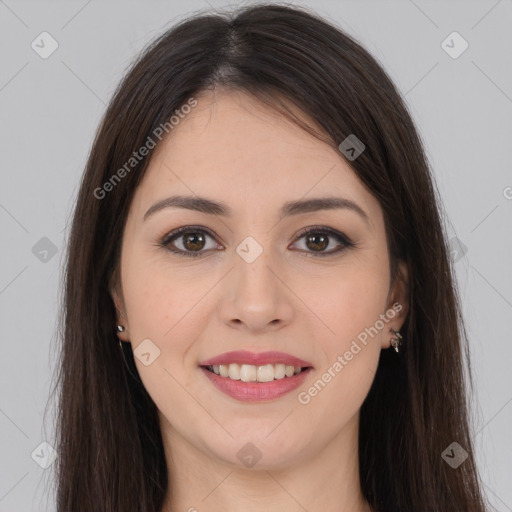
column 351, row 303
column 351, row 354
column 159, row 301
column 160, row 308
column 149, row 305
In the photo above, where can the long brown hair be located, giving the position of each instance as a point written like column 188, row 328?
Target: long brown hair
column 110, row 448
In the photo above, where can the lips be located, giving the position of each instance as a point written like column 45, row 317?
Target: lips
column 254, row 377
column 256, row 359
column 256, row 391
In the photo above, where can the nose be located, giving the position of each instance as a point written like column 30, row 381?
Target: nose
column 255, row 297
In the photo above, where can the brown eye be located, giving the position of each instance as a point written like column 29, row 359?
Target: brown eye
column 317, row 240
column 193, row 241
column 188, row 241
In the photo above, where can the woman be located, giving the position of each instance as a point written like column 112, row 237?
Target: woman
column 258, row 225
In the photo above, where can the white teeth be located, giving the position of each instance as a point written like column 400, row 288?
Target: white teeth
column 251, row 373
column 248, row 373
column 234, row 371
column 279, row 371
column 265, row 373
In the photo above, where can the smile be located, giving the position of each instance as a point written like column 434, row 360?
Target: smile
column 251, row 373
column 250, row 377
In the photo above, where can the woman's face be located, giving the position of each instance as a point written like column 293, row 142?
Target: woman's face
column 245, row 277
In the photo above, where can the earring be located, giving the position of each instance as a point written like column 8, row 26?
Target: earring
column 120, row 328
column 396, row 342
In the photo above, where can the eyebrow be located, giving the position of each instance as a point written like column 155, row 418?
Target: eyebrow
column 204, row 205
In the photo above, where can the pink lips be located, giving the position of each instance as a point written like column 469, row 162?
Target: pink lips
column 245, row 357
column 256, row 391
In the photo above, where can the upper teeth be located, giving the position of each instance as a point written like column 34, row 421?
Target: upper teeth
column 250, row 373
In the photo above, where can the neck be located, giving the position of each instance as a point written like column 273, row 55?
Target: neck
column 326, row 480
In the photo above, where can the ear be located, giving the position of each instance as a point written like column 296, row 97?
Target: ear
column 117, row 297
column 398, row 303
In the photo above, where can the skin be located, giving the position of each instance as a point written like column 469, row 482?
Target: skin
column 233, row 149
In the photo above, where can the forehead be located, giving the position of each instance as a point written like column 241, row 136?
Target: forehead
column 230, row 146
column 227, row 128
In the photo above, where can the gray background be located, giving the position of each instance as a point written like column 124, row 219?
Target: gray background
column 50, row 109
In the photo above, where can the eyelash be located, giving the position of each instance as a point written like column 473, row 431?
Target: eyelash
column 322, row 230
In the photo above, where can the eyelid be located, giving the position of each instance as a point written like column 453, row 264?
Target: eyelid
column 324, row 229
column 176, row 233
column 343, row 239
column 185, row 229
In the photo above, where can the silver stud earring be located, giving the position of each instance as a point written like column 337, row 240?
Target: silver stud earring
column 396, row 342
column 120, row 328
